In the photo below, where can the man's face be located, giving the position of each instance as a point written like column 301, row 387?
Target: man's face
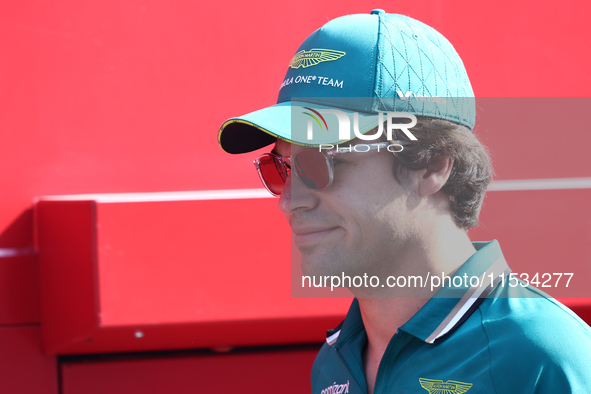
column 360, row 224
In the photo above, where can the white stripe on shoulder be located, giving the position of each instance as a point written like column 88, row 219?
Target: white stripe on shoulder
column 333, row 338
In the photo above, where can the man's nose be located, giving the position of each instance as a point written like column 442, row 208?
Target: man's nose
column 296, row 196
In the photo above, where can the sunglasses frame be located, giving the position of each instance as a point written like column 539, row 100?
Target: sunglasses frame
column 285, row 168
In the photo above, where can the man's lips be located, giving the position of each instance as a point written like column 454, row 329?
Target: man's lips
column 311, row 234
column 304, row 230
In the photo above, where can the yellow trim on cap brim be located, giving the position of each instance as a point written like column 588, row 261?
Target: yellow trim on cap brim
column 234, row 120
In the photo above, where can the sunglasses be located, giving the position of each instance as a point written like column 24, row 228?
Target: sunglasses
column 314, row 167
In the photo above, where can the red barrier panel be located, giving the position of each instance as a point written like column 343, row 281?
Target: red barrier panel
column 24, row 369
column 286, row 371
column 124, row 274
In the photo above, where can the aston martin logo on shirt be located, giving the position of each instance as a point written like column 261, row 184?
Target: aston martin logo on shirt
column 313, row 57
column 436, row 386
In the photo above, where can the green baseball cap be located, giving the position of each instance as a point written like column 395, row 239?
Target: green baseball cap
column 361, row 66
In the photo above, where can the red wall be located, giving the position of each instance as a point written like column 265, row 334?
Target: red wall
column 127, row 96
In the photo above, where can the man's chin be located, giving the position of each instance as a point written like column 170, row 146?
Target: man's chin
column 315, row 265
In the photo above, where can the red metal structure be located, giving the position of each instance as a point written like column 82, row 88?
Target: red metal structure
column 107, row 293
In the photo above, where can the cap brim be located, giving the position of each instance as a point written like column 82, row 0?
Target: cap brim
column 256, row 129
column 261, row 128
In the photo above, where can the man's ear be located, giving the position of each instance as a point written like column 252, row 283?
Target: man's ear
column 435, row 176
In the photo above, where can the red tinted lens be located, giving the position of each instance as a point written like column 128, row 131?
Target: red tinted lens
column 312, row 168
column 272, row 173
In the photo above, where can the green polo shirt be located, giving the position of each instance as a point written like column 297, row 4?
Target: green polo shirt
column 492, row 339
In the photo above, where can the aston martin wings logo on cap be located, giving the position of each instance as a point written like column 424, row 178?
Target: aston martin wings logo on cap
column 313, row 57
column 435, row 386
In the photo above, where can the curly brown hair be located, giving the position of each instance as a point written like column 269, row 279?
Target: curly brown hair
column 471, row 172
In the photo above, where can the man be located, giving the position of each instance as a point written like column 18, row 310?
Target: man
column 394, row 201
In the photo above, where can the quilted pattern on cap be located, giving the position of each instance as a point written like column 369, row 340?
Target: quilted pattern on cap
column 413, row 57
